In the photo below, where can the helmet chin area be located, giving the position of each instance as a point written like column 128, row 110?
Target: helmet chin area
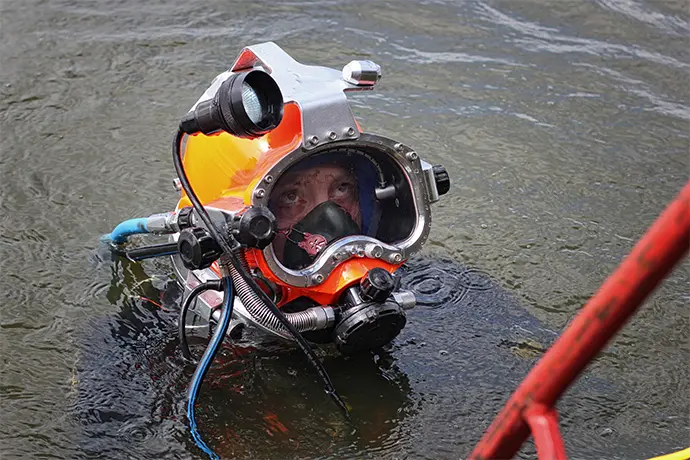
column 367, row 316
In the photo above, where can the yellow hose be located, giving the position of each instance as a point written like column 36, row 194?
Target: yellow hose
column 680, row 455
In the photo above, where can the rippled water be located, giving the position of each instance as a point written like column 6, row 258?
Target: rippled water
column 564, row 126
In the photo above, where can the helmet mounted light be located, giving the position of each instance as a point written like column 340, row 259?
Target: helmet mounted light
column 247, row 104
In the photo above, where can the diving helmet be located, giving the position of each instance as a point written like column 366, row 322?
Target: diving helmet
column 341, row 210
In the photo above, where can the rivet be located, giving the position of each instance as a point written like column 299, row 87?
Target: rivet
column 412, row 156
column 398, row 147
column 313, row 140
column 374, row 250
column 395, row 258
column 260, row 193
column 268, row 179
column 350, row 131
column 332, row 135
column 317, row 278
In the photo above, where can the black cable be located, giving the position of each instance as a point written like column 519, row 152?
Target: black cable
column 216, row 285
column 225, row 245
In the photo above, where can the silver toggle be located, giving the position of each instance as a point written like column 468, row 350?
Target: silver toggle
column 406, row 299
column 430, row 182
column 362, row 73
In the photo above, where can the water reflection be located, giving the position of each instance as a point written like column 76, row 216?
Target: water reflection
column 257, row 404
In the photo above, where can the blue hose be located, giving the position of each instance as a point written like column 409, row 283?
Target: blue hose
column 205, row 363
column 123, row 230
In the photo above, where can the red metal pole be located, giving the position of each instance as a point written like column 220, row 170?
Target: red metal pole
column 652, row 258
column 543, row 421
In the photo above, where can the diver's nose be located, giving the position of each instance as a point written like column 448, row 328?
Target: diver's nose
column 319, row 195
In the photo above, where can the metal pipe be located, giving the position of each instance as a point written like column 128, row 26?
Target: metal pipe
column 652, row 258
column 319, row 317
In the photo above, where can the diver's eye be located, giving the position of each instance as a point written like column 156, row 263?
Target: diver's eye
column 344, row 190
column 288, row 198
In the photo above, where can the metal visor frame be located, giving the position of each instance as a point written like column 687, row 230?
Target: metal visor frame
column 362, row 246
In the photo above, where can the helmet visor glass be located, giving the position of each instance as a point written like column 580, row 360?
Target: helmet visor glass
column 332, row 195
column 320, row 200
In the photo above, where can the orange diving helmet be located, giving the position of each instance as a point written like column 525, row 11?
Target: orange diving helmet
column 339, row 209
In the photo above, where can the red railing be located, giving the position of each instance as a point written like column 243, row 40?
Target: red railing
column 531, row 407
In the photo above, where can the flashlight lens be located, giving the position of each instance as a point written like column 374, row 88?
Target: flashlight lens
column 252, row 103
column 247, row 104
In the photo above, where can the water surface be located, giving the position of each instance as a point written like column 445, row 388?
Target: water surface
column 564, row 126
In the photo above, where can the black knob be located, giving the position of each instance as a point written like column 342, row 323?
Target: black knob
column 197, row 248
column 377, row 285
column 184, row 217
column 255, row 228
column 442, row 179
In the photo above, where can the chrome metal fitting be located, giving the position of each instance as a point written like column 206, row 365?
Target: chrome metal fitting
column 362, row 73
column 159, row 223
column 430, row 182
column 406, row 299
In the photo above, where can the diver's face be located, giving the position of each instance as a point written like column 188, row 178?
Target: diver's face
column 297, row 193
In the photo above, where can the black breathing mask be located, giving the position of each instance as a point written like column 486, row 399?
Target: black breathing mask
column 325, row 223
